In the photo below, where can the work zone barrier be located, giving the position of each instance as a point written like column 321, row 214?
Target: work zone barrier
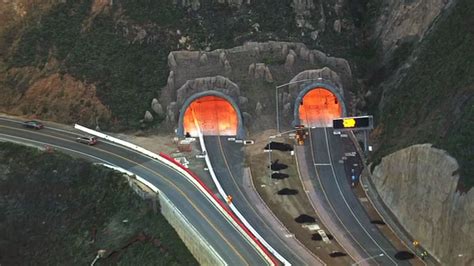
column 197, row 182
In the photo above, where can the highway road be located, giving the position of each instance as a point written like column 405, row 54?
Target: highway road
column 219, row 233
column 324, row 150
column 227, row 160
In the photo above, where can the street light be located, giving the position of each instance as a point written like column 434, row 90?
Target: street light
column 366, row 259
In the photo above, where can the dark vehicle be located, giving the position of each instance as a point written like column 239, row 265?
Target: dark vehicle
column 33, row 124
column 90, row 140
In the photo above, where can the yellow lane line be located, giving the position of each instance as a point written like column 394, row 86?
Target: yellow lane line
column 158, row 174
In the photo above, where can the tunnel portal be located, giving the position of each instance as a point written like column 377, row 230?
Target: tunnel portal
column 213, row 114
column 318, row 105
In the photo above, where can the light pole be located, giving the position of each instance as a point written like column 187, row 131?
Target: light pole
column 366, row 259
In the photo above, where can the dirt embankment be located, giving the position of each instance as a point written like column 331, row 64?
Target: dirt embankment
column 54, row 97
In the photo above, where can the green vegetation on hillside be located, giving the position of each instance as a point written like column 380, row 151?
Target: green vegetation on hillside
column 123, row 49
column 56, row 210
column 434, row 102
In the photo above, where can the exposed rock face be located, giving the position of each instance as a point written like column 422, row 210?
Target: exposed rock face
column 218, row 83
column 337, row 26
column 156, row 107
column 148, row 117
column 203, row 59
column 251, row 71
column 170, row 81
column 171, row 61
column 227, row 67
column 268, row 75
column 303, row 9
column 243, row 101
column 244, row 64
column 57, row 97
column 258, row 109
column 325, row 74
column 172, row 113
column 189, row 65
column 261, row 71
column 290, row 60
column 419, row 185
column 406, row 19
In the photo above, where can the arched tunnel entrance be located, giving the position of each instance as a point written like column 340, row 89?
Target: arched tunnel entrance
column 215, row 113
column 318, row 105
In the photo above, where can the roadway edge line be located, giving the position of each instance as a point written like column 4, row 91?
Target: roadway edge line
column 359, row 151
column 347, row 204
column 171, row 162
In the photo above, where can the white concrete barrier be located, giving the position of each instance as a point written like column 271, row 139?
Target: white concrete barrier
column 232, row 206
column 214, row 257
column 193, row 179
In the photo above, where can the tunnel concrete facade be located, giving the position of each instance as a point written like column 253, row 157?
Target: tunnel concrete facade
column 307, row 88
column 239, row 132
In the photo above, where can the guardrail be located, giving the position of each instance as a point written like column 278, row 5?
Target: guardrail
column 177, row 219
column 196, row 181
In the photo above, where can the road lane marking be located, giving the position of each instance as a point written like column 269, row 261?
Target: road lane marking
column 148, row 169
column 247, row 201
column 347, row 204
column 330, row 204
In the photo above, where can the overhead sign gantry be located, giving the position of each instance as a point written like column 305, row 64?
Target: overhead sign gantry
column 353, row 123
column 364, row 123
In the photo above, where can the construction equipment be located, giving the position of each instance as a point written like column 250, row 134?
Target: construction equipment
column 301, row 133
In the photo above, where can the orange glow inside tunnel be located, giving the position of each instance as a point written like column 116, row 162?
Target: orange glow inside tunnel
column 214, row 115
column 319, row 107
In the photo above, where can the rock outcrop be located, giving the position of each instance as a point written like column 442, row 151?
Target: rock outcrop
column 57, row 97
column 419, row 185
column 400, row 20
column 156, row 107
column 324, row 74
column 190, row 65
column 260, row 71
column 148, row 117
column 218, row 83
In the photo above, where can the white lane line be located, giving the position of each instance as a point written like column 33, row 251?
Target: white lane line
column 332, row 206
column 347, row 204
column 42, row 144
column 9, row 137
column 318, row 164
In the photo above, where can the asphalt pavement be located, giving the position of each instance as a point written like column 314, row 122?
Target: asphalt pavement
column 227, row 159
column 212, row 225
column 326, row 151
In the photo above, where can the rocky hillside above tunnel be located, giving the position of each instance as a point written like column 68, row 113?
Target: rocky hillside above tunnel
column 415, row 78
column 429, row 97
column 119, row 48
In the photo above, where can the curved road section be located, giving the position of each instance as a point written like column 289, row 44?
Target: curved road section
column 323, row 153
column 212, row 225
